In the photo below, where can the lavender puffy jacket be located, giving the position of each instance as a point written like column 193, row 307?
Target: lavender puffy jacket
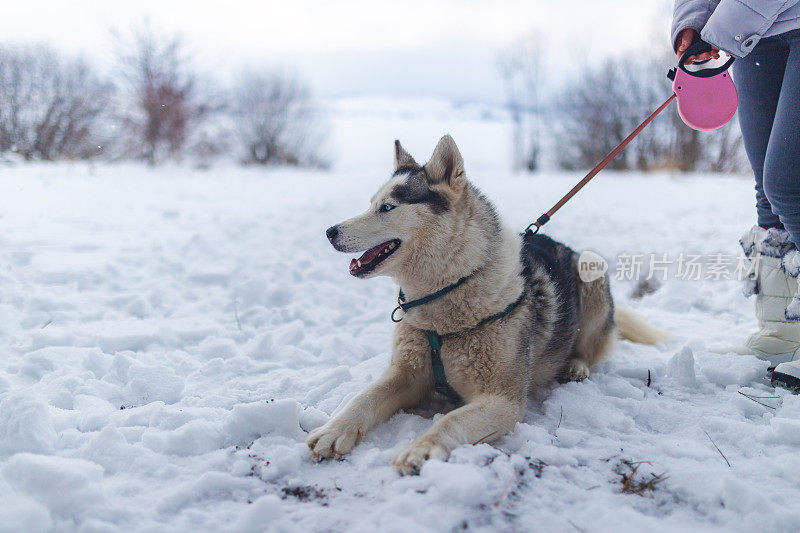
column 735, row 26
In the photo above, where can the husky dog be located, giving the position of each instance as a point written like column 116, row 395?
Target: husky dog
column 501, row 314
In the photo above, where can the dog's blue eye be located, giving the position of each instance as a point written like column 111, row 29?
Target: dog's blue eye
column 386, row 207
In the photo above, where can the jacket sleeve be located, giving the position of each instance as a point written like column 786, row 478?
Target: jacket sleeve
column 690, row 14
column 736, row 26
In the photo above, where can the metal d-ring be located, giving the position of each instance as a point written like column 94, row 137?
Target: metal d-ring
column 395, row 311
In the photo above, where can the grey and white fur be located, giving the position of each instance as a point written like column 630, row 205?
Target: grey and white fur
column 427, row 227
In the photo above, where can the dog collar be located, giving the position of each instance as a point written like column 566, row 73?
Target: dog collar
column 404, row 306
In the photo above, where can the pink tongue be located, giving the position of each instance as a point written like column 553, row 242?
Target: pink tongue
column 367, row 256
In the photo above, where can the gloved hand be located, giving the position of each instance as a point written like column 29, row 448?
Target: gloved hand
column 685, row 40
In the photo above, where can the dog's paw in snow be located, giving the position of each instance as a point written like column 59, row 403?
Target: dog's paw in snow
column 334, row 439
column 577, row 370
column 410, row 459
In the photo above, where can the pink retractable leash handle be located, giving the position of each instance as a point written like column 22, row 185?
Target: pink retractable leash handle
column 707, row 98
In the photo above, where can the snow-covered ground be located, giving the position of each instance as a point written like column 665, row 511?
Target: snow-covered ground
column 168, row 338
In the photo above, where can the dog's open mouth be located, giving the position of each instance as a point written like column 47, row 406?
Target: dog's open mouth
column 373, row 257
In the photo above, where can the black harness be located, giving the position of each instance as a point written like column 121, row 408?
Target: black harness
column 435, row 339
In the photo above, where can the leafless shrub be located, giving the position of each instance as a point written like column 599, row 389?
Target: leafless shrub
column 635, row 483
column 724, row 150
column 520, row 68
column 50, row 107
column 160, row 101
column 276, row 120
column 599, row 109
column 604, row 104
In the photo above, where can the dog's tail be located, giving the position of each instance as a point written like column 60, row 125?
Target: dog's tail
column 631, row 328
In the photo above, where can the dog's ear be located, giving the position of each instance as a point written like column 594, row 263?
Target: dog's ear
column 446, row 165
column 402, row 159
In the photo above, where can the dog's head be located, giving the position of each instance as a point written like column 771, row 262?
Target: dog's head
column 409, row 217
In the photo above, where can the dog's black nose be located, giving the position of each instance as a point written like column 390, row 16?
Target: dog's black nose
column 332, row 232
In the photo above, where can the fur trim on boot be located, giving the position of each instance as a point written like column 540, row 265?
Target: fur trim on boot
column 773, row 261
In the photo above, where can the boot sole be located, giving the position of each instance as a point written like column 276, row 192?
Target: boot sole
column 779, row 379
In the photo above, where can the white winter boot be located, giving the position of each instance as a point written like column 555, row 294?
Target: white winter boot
column 775, row 286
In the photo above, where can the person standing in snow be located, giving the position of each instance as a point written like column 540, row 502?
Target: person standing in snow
column 764, row 36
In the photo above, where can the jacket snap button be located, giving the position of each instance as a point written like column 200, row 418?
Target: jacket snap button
column 738, row 37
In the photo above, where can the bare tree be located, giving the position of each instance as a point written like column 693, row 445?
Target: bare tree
column 520, row 68
column 160, row 102
column 594, row 114
column 726, row 152
column 50, row 107
column 276, row 120
column 605, row 103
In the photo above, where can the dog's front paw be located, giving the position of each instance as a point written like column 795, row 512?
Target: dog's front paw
column 334, row 439
column 410, row 459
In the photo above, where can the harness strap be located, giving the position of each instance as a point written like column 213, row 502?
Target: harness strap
column 440, row 383
column 495, row 316
column 435, row 341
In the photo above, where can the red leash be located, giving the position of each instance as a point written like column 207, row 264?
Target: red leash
column 542, row 220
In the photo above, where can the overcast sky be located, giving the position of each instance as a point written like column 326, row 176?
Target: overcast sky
column 413, row 48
